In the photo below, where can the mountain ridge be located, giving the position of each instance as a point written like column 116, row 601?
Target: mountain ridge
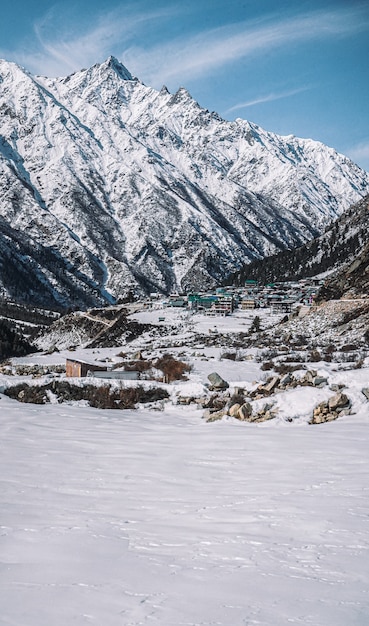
column 335, row 254
column 135, row 189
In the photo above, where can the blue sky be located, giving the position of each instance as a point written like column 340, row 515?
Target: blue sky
column 292, row 67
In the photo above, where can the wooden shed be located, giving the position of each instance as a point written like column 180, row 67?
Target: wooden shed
column 79, row 369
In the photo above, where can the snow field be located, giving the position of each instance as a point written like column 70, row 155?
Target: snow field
column 128, row 518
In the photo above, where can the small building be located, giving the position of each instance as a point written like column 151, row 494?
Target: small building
column 224, row 305
column 201, row 301
column 79, row 369
column 282, row 306
column 177, row 301
column 248, row 303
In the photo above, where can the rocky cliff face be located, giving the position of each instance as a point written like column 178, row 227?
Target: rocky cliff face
column 109, row 186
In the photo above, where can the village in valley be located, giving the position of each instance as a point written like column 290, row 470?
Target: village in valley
column 280, row 297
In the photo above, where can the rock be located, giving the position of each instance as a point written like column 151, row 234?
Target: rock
column 319, row 381
column 219, row 402
column 244, row 412
column 236, row 398
column 336, row 387
column 329, row 411
column 322, row 419
column 365, row 391
column 286, row 380
column 309, row 377
column 233, row 410
column 338, row 402
column 270, row 386
column 214, row 415
column 264, row 416
column 321, row 414
column 217, row 381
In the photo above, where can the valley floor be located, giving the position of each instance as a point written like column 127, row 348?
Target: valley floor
column 135, row 517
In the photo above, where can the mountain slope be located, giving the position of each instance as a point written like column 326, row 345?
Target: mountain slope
column 109, row 186
column 333, row 251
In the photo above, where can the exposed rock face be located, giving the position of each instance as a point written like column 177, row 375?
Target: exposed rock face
column 109, row 186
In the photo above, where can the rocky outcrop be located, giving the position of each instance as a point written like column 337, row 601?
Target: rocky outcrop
column 331, row 409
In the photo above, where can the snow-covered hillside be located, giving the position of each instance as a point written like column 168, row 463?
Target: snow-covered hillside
column 329, row 254
column 110, row 186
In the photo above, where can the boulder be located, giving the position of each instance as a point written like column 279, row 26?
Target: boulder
column 365, row 391
column 322, row 414
column 286, row 380
column 309, row 377
column 213, row 416
column 217, row 381
column 264, row 416
column 322, row 419
column 244, row 412
column 338, row 402
column 233, row 410
column 270, row 386
column 336, row 387
column 320, row 381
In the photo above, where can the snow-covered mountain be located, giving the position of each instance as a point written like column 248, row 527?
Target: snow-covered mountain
column 332, row 253
column 110, row 186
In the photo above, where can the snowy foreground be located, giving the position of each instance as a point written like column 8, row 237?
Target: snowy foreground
column 128, row 518
column 122, row 518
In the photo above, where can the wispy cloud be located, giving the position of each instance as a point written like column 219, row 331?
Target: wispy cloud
column 360, row 154
column 60, row 47
column 211, row 51
column 57, row 50
column 268, row 98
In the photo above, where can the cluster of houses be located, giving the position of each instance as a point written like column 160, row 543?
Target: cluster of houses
column 280, row 297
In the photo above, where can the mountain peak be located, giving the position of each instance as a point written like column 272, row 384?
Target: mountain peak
column 109, row 188
column 113, row 63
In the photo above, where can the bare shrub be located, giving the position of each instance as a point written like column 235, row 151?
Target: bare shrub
column 314, row 356
column 172, row 368
column 98, row 397
column 268, row 365
column 27, row 393
column 231, row 356
column 348, row 347
column 141, row 365
column 295, row 358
